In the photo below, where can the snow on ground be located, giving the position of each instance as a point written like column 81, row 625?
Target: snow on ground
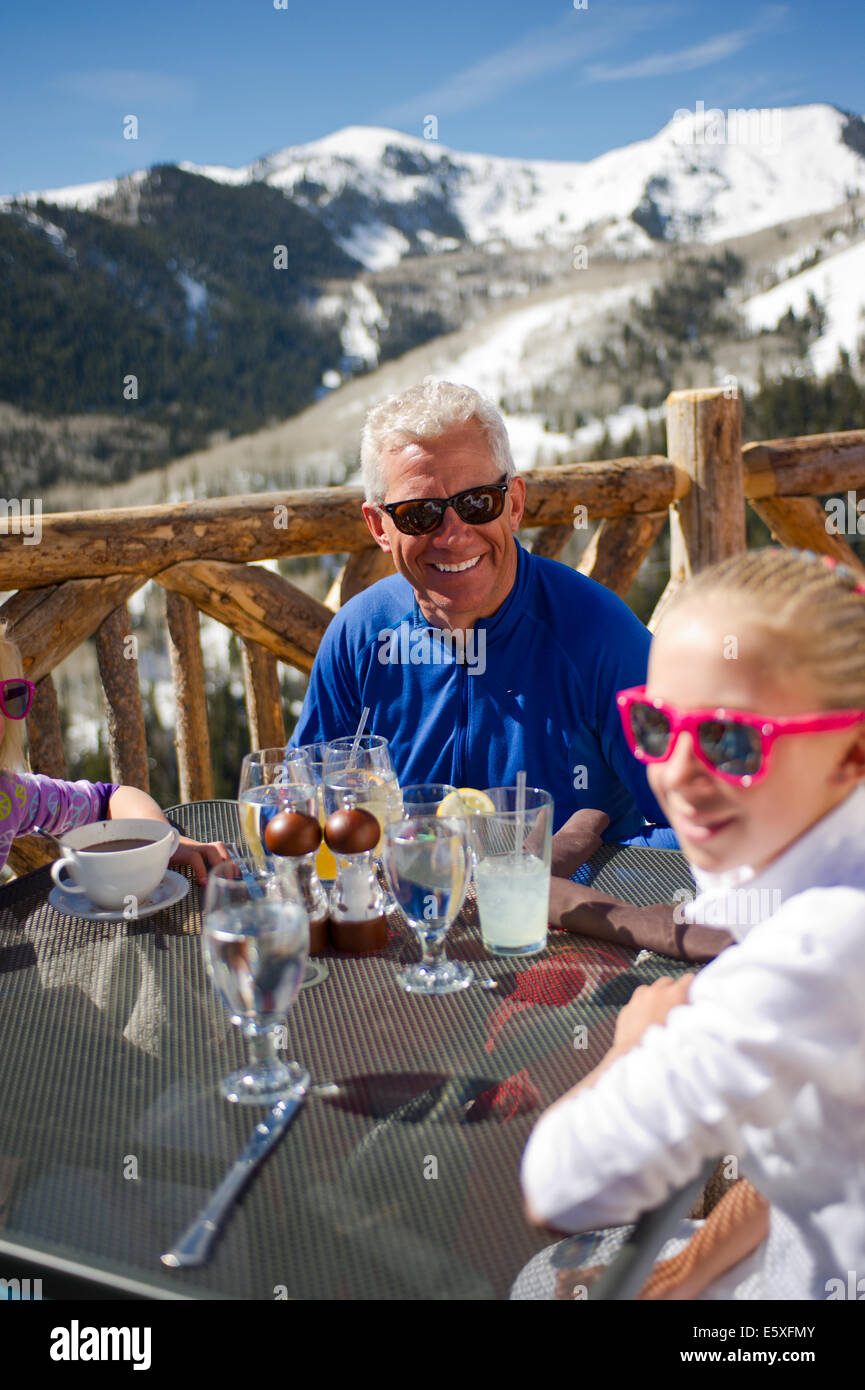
column 526, row 348
column 838, row 283
column 196, row 299
column 375, row 245
column 56, row 235
column 83, row 195
column 365, row 315
column 531, row 445
column 220, row 173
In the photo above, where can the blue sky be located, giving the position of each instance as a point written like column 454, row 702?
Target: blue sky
column 225, row 81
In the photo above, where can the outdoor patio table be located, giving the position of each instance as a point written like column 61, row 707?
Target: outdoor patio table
column 401, row 1184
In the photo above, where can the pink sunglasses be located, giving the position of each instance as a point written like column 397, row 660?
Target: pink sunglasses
column 730, row 744
column 16, row 697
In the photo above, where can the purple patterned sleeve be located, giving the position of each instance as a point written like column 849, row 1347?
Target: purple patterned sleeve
column 30, row 801
column 106, row 790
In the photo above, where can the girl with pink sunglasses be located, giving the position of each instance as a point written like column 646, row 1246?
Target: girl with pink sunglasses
column 752, row 726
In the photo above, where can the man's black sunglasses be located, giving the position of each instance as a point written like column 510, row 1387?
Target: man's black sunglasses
column 476, row 505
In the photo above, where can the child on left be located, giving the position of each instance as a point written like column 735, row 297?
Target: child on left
column 30, row 801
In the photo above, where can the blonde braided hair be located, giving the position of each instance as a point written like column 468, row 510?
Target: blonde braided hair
column 813, row 606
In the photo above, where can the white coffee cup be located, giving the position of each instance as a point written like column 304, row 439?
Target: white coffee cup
column 114, row 878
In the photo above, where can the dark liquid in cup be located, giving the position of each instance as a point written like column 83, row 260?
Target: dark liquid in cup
column 112, row 846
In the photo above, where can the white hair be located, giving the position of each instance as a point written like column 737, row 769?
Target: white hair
column 427, row 411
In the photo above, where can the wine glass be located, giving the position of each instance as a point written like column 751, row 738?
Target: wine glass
column 427, row 861
column 359, row 772
column 266, row 767
column 256, row 937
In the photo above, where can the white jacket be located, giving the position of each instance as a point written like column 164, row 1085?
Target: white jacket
column 766, row 1061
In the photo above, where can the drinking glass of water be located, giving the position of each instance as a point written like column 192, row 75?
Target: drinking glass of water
column 256, row 938
column 427, row 861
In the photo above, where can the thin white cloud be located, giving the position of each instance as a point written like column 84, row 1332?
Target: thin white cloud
column 562, row 45
column 126, row 85
column 660, row 64
column 686, row 59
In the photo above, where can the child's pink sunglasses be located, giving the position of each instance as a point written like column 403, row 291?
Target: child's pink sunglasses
column 732, row 745
column 16, row 697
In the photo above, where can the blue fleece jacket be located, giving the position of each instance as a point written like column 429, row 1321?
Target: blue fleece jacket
column 532, row 687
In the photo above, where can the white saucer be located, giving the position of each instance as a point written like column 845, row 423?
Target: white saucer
column 172, row 888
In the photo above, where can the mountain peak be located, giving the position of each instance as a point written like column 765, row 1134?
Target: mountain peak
column 359, row 141
column 706, row 175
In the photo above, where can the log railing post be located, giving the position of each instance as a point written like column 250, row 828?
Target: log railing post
column 550, row 541
column 704, row 438
column 704, row 441
column 44, row 735
column 116, row 652
column 801, row 524
column 618, row 548
column 360, row 570
column 191, row 735
column 263, row 696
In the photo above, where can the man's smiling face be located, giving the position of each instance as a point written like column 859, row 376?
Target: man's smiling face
column 459, row 572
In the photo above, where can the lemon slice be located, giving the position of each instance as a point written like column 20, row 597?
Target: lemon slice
column 467, row 800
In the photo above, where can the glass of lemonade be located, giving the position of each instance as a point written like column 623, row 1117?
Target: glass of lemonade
column 362, row 776
column 512, row 870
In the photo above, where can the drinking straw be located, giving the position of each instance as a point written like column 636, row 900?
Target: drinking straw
column 358, row 735
column 521, row 815
column 256, row 889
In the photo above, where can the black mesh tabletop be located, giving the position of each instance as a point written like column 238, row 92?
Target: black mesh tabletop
column 397, row 1181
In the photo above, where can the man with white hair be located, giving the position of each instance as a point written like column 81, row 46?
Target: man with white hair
column 477, row 659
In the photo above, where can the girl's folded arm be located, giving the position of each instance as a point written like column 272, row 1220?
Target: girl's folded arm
column 763, row 1020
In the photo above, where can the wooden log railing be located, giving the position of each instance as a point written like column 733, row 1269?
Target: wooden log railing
column 76, row 582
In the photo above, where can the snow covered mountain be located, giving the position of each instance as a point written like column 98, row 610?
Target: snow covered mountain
column 706, row 176
column 462, row 265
